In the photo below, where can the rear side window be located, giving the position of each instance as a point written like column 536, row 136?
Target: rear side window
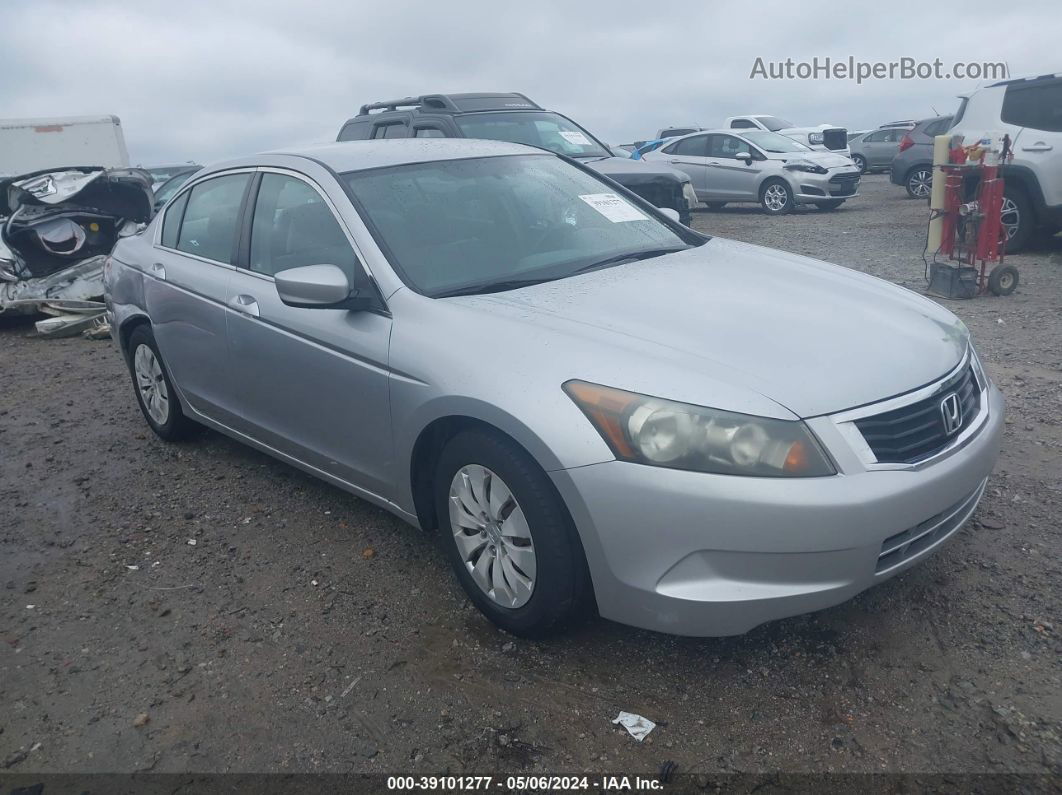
column 428, row 132
column 1038, row 106
column 742, row 124
column 212, row 216
column 171, row 223
column 355, row 131
column 397, row 130
column 293, row 226
column 696, row 146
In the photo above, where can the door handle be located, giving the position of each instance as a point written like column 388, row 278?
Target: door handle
column 1039, row 146
column 158, row 270
column 246, row 304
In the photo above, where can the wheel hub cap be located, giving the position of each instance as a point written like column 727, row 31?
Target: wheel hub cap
column 492, row 536
column 151, row 384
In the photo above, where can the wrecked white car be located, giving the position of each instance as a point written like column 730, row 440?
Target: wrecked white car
column 57, row 227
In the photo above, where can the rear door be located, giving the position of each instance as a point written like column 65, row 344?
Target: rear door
column 876, row 148
column 312, row 383
column 730, row 178
column 689, row 155
column 187, row 288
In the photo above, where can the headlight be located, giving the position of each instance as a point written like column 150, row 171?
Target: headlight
column 657, row 432
column 815, row 138
column 804, row 165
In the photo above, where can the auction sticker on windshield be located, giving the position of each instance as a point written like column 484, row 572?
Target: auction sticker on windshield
column 575, row 137
column 613, row 207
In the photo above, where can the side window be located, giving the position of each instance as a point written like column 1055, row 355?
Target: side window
column 355, row 131
column 726, row 146
column 428, row 132
column 393, row 130
column 696, row 146
column 742, row 124
column 293, row 226
column 877, row 137
column 212, row 217
column 171, row 223
column 1038, row 106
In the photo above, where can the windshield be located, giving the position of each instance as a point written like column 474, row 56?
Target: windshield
column 536, row 128
column 773, row 142
column 170, row 187
column 774, row 124
column 495, row 223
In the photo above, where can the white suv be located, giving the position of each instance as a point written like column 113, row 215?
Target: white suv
column 1030, row 111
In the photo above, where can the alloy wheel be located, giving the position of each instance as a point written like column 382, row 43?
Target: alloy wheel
column 775, row 197
column 921, row 183
column 151, row 384
column 492, row 536
column 1010, row 217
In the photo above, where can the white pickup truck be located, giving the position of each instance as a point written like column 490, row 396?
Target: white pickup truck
column 824, row 137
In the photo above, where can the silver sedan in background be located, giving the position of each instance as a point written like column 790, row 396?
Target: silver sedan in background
column 760, row 166
column 593, row 404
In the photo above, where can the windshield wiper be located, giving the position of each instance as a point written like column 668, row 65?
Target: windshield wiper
column 630, row 256
column 495, row 287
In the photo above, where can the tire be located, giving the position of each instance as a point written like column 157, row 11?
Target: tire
column 776, row 197
column 832, row 204
column 713, row 206
column 1017, row 217
column 919, row 182
column 559, row 588
column 860, row 161
column 154, row 389
column 1003, row 279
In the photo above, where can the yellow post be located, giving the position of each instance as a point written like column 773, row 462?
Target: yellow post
column 936, row 196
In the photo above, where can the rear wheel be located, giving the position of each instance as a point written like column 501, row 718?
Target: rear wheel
column 861, row 162
column 833, row 204
column 508, row 535
column 1015, row 214
column 919, row 182
column 154, row 390
column 776, row 197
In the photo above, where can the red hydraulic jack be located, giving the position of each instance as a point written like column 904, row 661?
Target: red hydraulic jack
column 972, row 232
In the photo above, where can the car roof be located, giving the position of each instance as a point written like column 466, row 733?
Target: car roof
column 360, row 155
column 1031, row 79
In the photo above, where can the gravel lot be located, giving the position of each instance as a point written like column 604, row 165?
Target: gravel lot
column 305, row 630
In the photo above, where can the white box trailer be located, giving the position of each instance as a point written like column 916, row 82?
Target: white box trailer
column 34, row 144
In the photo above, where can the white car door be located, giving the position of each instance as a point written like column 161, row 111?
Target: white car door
column 729, row 177
column 688, row 155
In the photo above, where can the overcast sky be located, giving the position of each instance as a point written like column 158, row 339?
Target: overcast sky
column 206, row 80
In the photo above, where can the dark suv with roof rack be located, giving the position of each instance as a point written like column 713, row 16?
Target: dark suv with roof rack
column 517, row 119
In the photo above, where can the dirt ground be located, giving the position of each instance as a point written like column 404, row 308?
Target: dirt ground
column 305, row 630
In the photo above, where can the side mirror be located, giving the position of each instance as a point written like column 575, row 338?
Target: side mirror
column 671, row 213
column 744, row 156
column 316, row 287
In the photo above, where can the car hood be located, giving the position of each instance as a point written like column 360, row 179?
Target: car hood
column 826, row 159
column 635, row 172
column 814, row 338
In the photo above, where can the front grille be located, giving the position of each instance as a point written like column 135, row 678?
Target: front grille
column 916, row 540
column 847, row 178
column 916, row 431
column 835, row 138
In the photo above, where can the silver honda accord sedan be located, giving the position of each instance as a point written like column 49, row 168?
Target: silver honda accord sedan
column 593, row 404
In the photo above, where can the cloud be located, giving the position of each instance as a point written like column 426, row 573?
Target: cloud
column 206, row 80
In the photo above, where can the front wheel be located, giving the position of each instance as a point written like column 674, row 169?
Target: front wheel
column 1015, row 215
column 508, row 535
column 776, row 197
column 833, row 204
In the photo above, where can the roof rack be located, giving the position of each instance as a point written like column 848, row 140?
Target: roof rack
column 438, row 102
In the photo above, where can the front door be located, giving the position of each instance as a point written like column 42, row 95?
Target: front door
column 312, row 382
column 731, row 178
column 186, row 290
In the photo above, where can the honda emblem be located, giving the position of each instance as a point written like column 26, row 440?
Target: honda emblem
column 951, row 411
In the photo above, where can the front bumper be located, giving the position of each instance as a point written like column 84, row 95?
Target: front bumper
column 835, row 184
column 697, row 554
